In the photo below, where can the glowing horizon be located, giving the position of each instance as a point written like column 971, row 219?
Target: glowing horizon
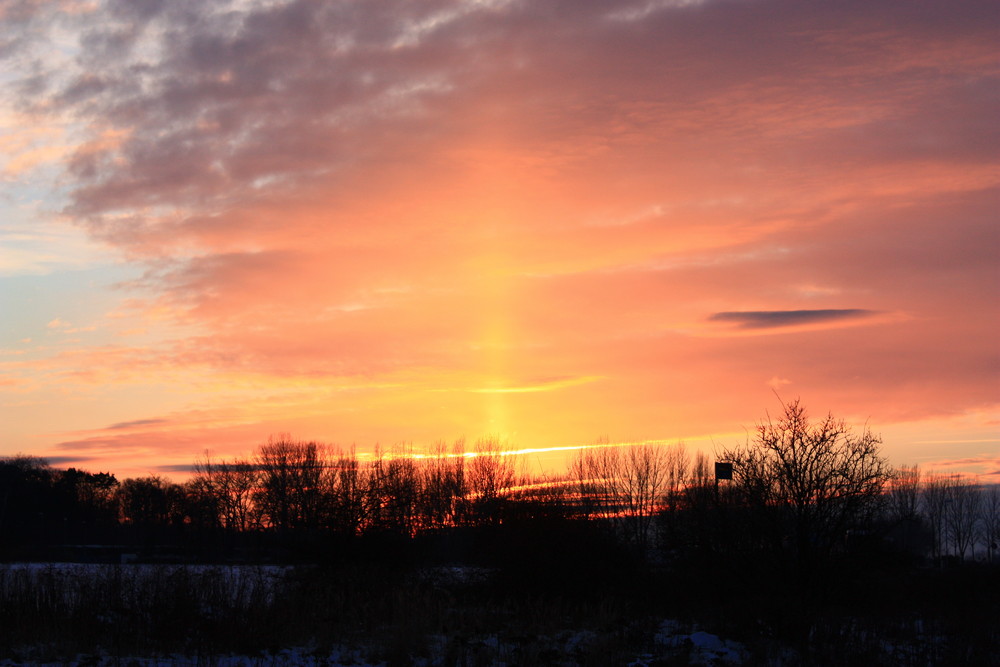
column 363, row 224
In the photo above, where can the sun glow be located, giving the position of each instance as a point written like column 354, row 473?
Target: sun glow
column 532, row 222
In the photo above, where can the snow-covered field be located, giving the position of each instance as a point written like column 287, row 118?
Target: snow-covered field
column 155, row 615
column 233, row 586
column 671, row 642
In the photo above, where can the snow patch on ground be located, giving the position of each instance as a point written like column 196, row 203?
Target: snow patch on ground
column 702, row 648
column 671, row 640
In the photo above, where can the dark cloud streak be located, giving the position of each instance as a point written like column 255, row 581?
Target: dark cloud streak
column 65, row 460
column 772, row 319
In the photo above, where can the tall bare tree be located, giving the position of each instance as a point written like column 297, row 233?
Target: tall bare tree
column 290, row 494
column 678, row 466
column 819, row 477
column 904, row 493
column 491, row 475
column 347, row 483
column 443, row 485
column 231, row 485
column 990, row 519
column 961, row 516
column 641, row 485
column 627, row 485
column 394, row 491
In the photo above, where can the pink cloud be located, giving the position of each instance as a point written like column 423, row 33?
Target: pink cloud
column 433, row 196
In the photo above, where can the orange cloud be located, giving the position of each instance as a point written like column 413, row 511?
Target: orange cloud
column 404, row 223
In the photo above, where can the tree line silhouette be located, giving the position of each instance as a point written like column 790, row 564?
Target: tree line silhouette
column 802, row 491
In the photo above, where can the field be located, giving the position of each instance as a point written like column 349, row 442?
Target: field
column 149, row 615
column 408, row 611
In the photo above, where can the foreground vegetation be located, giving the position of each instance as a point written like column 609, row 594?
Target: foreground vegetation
column 814, row 552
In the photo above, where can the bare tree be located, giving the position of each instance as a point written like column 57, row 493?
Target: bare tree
column 231, row 485
column 699, row 492
column 642, row 484
column 678, row 464
column 628, row 485
column 907, row 528
column 990, row 519
column 491, row 475
column 443, row 486
column 595, row 473
column 394, row 491
column 291, row 474
column 904, row 493
column 962, row 515
column 934, row 500
column 583, row 485
column 821, row 477
column 347, row 483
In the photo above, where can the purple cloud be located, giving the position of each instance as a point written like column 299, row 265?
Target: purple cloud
column 788, row 318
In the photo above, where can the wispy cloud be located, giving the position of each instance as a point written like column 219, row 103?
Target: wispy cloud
column 986, row 460
column 549, row 385
column 182, row 468
column 61, row 461
column 137, row 423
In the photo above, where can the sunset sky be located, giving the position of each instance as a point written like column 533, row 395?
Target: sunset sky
column 546, row 221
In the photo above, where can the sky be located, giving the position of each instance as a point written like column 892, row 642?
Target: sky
column 545, row 221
